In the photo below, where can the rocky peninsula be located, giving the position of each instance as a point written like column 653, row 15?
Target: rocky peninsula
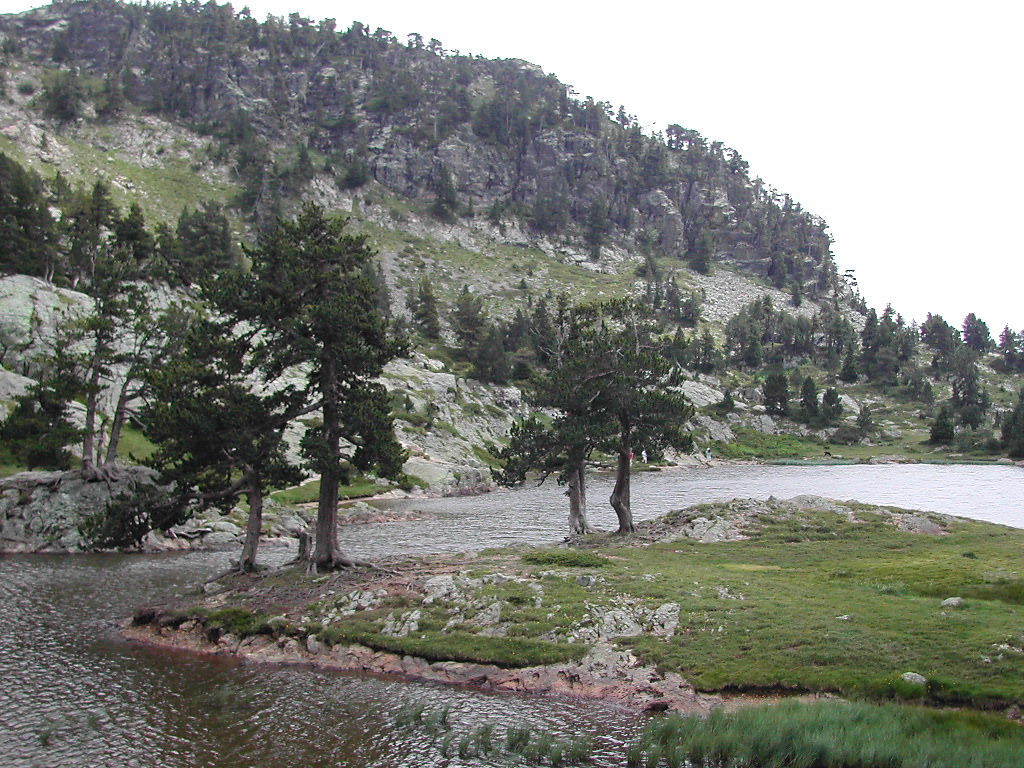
column 703, row 606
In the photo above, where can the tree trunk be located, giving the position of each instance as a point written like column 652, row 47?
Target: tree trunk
column 578, row 522
column 327, row 554
column 255, row 523
column 89, row 441
column 327, row 551
column 620, row 493
column 116, row 424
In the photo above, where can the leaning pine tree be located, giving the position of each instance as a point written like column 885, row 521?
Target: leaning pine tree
column 314, row 307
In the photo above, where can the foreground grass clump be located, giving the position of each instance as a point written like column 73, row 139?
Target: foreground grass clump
column 833, row 734
column 238, row 621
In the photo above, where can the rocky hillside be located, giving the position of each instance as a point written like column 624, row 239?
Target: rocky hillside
column 287, row 107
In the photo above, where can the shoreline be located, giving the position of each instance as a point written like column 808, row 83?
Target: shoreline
column 605, row 674
column 214, row 534
column 627, row 621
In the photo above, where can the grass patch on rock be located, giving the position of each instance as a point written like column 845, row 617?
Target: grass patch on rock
column 751, row 444
column 508, row 652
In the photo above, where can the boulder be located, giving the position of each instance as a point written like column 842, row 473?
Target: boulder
column 42, row 511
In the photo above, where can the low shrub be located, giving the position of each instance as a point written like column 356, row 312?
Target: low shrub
column 239, row 622
column 566, row 558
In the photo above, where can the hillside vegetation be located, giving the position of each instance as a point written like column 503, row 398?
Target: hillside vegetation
column 177, row 133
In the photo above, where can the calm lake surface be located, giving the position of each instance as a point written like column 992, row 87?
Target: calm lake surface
column 75, row 694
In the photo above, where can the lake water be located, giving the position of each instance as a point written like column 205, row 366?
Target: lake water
column 75, row 694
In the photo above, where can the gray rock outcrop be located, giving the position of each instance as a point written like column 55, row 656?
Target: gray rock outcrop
column 42, row 511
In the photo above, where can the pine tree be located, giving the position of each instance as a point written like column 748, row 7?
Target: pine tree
column 776, row 393
column 976, row 334
column 727, row 403
column 611, row 382
column 310, row 299
column 1013, row 430
column 217, row 438
column 831, row 406
column 849, row 372
column 864, row 420
column 808, row 399
column 468, row 319
column 423, row 305
column 942, row 430
column 27, row 230
column 37, row 432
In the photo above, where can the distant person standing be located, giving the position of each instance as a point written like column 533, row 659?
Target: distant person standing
column 643, row 455
column 707, row 453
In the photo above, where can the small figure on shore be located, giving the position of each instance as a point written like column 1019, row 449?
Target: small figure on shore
column 707, row 453
column 643, row 455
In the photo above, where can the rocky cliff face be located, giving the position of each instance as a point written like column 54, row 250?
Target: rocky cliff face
column 475, row 138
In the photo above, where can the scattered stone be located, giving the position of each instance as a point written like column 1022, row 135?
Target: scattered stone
column 490, row 615
column 918, row 524
column 442, row 588
column 953, row 602
column 665, row 620
column 401, row 625
column 914, row 679
column 724, row 594
column 619, row 623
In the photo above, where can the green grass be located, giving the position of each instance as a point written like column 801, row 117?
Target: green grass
column 833, row 734
column 566, row 558
column 751, row 444
column 450, row 265
column 508, row 652
column 798, row 577
column 310, row 492
column 134, row 444
column 238, row 621
column 8, row 468
column 809, row 602
column 168, row 187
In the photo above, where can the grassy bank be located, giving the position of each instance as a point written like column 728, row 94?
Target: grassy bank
column 814, row 602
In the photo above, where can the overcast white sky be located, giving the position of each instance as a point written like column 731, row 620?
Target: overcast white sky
column 897, row 121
